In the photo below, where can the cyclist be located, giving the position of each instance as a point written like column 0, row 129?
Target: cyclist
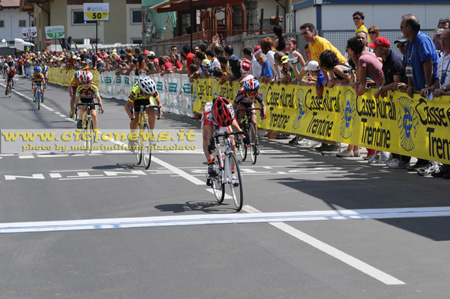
column 86, row 92
column 217, row 117
column 10, row 78
column 44, row 72
column 142, row 93
column 73, row 85
column 246, row 98
column 36, row 80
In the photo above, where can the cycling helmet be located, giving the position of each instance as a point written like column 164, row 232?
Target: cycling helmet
column 37, row 68
column 223, row 112
column 251, row 84
column 77, row 74
column 147, row 85
column 86, row 77
column 206, row 63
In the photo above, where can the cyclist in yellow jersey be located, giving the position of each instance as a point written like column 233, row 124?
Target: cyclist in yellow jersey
column 144, row 92
column 37, row 80
column 86, row 92
column 73, row 85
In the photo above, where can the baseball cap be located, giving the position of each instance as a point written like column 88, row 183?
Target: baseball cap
column 146, row 52
column 284, row 59
column 256, row 50
column 382, row 42
column 312, row 66
column 151, row 54
column 206, row 63
column 401, row 39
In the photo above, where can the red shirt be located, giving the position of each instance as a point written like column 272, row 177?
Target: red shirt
column 189, row 60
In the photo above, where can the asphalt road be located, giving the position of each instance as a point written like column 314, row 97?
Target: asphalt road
column 77, row 225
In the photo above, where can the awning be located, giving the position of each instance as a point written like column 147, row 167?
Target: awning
column 184, row 5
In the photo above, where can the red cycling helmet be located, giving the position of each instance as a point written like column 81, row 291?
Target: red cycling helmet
column 223, row 112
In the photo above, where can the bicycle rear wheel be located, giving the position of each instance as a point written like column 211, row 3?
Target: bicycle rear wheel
column 253, row 142
column 236, row 188
column 147, row 146
column 217, row 182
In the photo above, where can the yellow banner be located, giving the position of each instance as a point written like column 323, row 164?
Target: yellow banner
column 398, row 124
column 63, row 77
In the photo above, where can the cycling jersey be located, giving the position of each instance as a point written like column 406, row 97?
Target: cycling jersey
column 45, row 69
column 136, row 94
column 11, row 74
column 208, row 117
column 37, row 78
column 87, row 94
column 241, row 98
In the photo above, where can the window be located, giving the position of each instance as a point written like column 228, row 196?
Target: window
column 22, row 23
column 2, row 23
column 136, row 17
column 78, row 18
column 136, row 41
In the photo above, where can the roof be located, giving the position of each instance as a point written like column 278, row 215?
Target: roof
column 10, row 3
column 180, row 5
column 309, row 3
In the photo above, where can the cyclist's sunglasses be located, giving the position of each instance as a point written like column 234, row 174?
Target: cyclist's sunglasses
column 252, row 93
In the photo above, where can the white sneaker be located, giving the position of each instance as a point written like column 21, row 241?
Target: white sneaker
column 428, row 170
column 344, row 153
column 356, row 154
column 373, row 159
column 383, row 158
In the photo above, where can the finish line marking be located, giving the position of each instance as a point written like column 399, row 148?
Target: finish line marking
column 234, row 218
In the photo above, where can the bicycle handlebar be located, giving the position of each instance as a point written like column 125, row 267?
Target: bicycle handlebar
column 151, row 106
column 247, row 109
column 215, row 138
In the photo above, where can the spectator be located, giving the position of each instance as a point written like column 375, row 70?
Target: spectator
column 437, row 40
column 153, row 63
column 444, row 23
column 166, row 65
column 287, row 71
column 139, row 64
column 189, row 59
column 279, row 43
column 364, row 37
column 214, row 61
column 374, row 33
column 297, row 59
column 266, row 75
column 269, row 50
column 315, row 72
column 256, row 67
column 339, row 72
column 358, row 20
column 194, row 72
column 318, row 44
column 421, row 67
column 174, row 50
column 233, row 62
column 175, row 61
column 440, row 87
column 247, row 52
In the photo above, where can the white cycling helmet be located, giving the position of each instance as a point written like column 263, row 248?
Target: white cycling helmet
column 77, row 74
column 147, row 85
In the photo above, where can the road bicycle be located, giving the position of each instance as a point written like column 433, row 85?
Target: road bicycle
column 248, row 127
column 87, row 126
column 9, row 87
column 144, row 143
column 38, row 96
column 225, row 159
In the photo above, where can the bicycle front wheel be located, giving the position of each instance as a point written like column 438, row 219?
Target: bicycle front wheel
column 253, row 143
column 147, row 146
column 89, row 136
column 235, row 186
column 217, row 182
column 38, row 100
column 140, row 143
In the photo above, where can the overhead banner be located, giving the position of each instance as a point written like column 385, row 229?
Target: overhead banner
column 54, row 32
column 96, row 11
column 398, row 124
column 29, row 32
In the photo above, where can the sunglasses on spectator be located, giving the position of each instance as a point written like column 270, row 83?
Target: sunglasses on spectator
column 357, row 18
column 401, row 45
column 372, row 32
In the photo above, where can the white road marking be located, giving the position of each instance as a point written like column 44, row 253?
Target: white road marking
column 178, row 171
column 332, row 251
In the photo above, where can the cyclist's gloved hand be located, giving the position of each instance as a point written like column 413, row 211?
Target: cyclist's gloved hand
column 246, row 139
column 262, row 114
column 100, row 109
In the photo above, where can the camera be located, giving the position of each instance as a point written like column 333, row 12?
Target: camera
column 293, row 60
column 348, row 71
